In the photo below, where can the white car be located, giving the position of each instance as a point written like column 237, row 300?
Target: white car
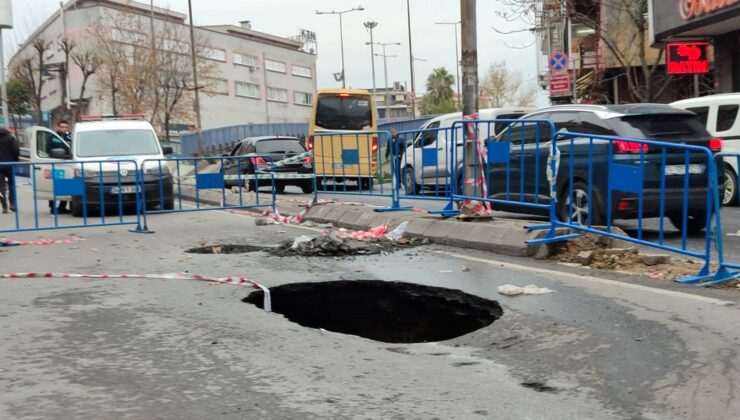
column 720, row 113
column 425, row 164
column 114, row 149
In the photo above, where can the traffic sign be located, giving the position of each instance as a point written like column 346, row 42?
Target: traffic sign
column 558, row 62
column 560, row 85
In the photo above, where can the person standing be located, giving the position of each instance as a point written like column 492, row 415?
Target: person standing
column 63, row 133
column 9, row 152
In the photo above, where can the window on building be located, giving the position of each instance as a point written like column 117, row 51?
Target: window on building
column 220, row 86
column 176, row 46
column 303, row 98
column 277, row 94
column 213, row 54
column 275, row 66
column 247, row 90
column 245, row 60
column 128, row 37
column 301, row 71
column 726, row 115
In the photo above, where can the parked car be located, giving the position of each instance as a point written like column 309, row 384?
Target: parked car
column 277, row 148
column 639, row 121
column 418, row 175
column 720, row 115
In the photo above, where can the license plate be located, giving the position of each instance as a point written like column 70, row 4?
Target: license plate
column 124, row 190
column 694, row 169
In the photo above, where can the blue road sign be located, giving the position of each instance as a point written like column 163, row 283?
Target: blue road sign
column 558, row 61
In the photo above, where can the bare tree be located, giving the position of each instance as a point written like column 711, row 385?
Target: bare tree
column 622, row 27
column 67, row 47
column 88, row 61
column 29, row 70
column 501, row 87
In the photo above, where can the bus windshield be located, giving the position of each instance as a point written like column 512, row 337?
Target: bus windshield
column 343, row 113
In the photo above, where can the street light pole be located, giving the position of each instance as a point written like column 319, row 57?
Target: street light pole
column 370, row 26
column 196, row 99
column 411, row 62
column 341, row 34
column 457, row 57
column 385, row 65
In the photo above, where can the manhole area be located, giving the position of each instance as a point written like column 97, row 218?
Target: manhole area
column 331, row 245
column 226, row 249
column 391, row 312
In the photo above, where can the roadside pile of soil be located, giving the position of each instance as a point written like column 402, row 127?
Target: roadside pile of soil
column 331, row 245
column 596, row 252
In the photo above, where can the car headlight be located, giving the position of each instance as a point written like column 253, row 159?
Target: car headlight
column 88, row 173
column 156, row 170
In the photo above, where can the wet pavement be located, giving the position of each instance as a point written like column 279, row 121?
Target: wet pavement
column 602, row 345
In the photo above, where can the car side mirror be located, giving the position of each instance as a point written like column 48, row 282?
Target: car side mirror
column 168, row 150
column 59, row 153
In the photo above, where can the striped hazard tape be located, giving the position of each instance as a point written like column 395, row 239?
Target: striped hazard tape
column 48, row 241
column 239, row 281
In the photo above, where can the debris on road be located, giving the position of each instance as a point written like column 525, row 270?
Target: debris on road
column 530, row 289
column 336, row 244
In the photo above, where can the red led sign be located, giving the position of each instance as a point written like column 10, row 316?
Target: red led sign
column 687, row 57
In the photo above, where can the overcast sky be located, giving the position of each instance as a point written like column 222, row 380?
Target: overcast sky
column 433, row 43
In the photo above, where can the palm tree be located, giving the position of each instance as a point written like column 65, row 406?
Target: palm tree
column 439, row 96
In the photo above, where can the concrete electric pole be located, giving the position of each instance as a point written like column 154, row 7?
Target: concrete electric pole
column 470, row 82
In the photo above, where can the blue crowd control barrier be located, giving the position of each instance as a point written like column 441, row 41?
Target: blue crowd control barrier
column 727, row 271
column 512, row 168
column 422, row 161
column 604, row 178
column 101, row 192
column 353, row 162
column 167, row 180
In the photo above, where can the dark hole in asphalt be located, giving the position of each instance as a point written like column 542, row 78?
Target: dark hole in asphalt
column 225, row 249
column 391, row 312
column 539, row 387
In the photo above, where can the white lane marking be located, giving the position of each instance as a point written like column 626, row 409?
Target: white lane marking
column 583, row 277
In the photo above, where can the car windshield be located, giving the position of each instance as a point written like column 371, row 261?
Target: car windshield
column 284, row 146
column 499, row 127
column 127, row 142
column 677, row 127
column 343, row 113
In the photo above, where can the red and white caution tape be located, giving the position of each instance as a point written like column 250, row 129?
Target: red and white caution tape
column 361, row 235
column 240, row 281
column 476, row 207
column 47, row 241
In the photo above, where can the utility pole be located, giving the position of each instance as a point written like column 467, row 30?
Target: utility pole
column 411, row 61
column 341, row 34
column 3, row 86
column 370, row 26
column 470, row 82
column 385, row 66
column 196, row 101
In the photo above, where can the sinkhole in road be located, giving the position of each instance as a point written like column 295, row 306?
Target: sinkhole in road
column 225, row 249
column 391, row 312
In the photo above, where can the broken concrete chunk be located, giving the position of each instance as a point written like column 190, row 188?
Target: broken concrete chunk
column 620, row 251
column 585, row 257
column 655, row 259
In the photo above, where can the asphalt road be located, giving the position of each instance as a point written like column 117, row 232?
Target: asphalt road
column 598, row 347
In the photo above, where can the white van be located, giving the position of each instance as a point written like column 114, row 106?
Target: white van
column 417, row 176
column 102, row 142
column 721, row 115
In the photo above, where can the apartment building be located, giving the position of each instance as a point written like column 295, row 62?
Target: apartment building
column 254, row 78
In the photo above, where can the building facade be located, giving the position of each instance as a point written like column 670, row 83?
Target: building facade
column 253, row 77
column 393, row 102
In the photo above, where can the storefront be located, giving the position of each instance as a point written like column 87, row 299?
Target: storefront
column 717, row 21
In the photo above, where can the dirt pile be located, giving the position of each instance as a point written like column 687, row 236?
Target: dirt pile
column 332, row 245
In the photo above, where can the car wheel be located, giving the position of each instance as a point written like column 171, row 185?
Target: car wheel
column 578, row 213
column 409, row 182
column 307, row 187
column 75, row 208
column 279, row 188
column 365, row 183
column 695, row 222
column 730, row 197
column 169, row 204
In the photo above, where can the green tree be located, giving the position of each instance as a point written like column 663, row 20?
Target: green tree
column 18, row 98
column 439, row 98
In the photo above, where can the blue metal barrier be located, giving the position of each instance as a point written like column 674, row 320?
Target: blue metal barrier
column 88, row 186
column 727, row 271
column 603, row 178
column 164, row 182
column 353, row 162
